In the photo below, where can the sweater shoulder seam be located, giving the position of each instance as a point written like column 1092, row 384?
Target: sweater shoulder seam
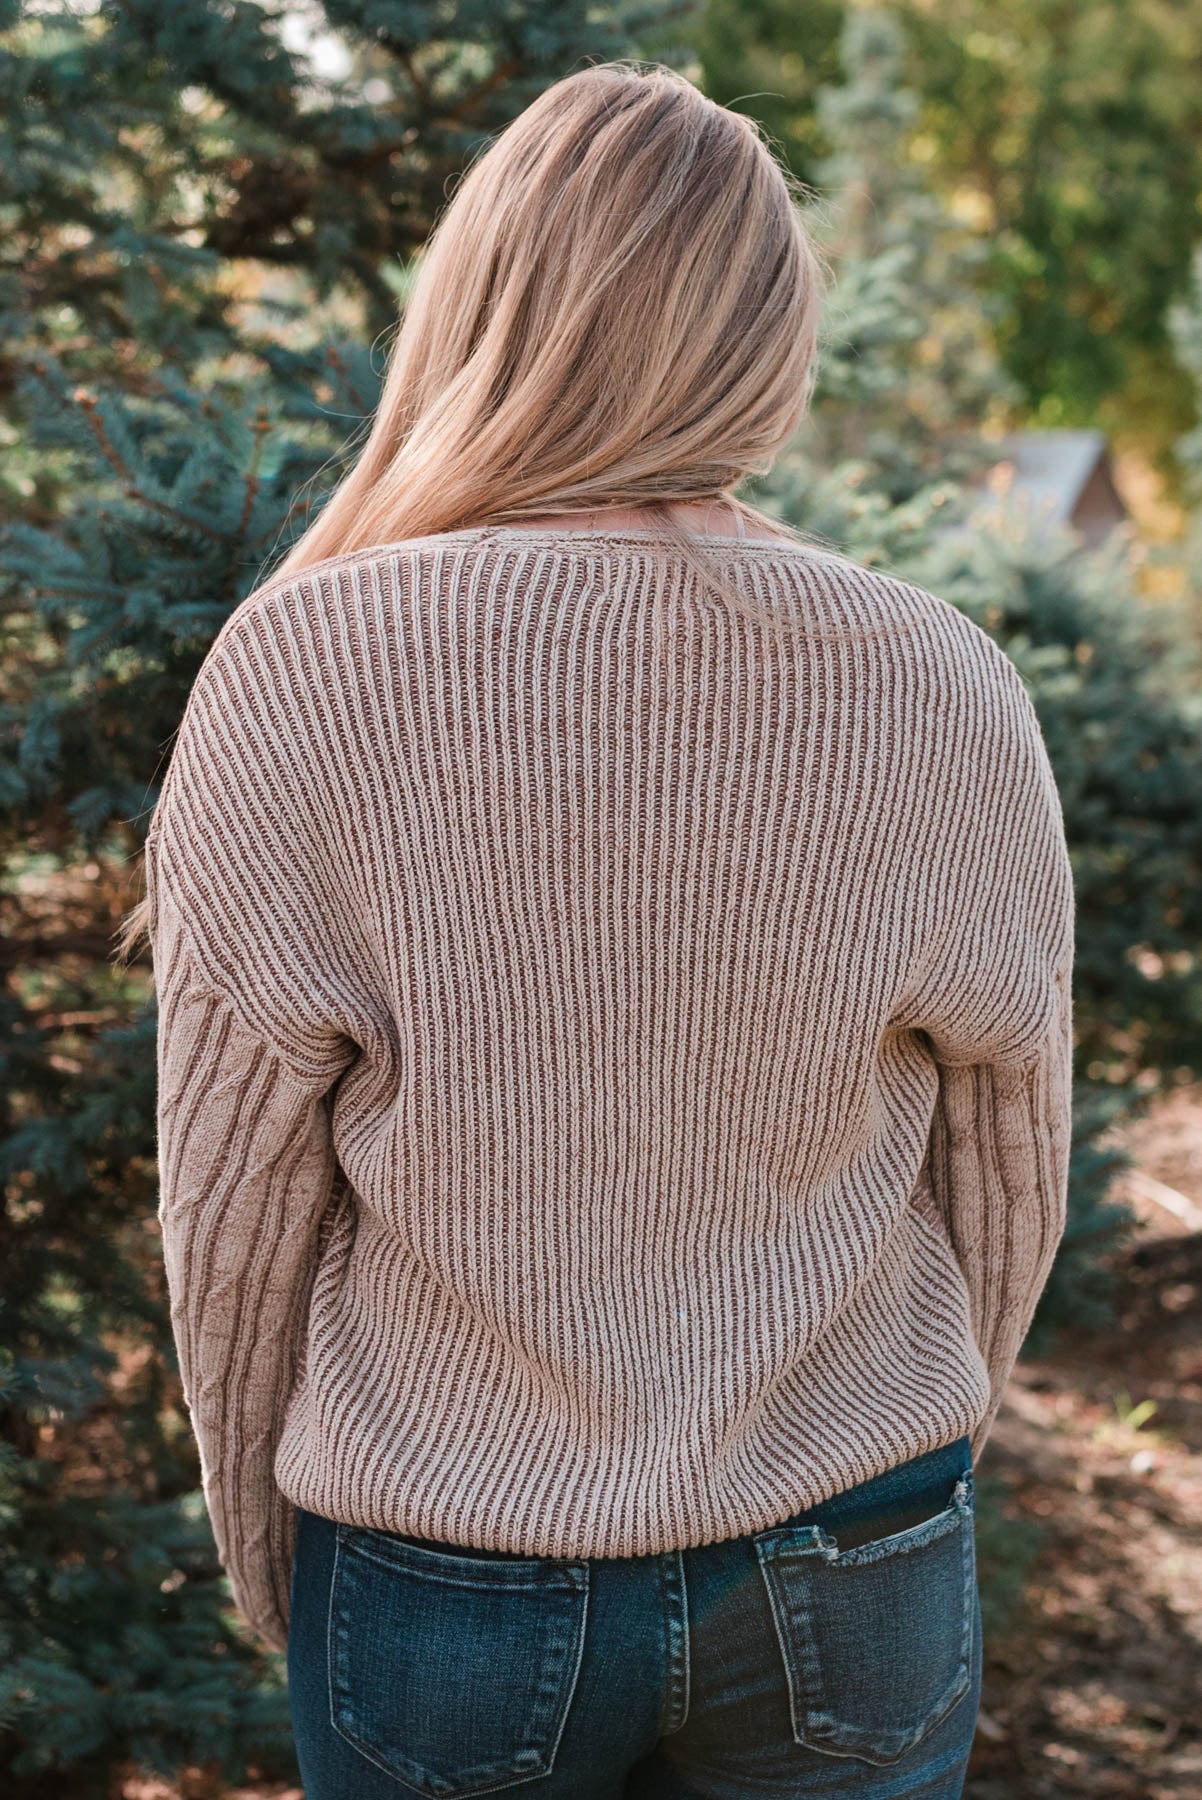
column 198, row 982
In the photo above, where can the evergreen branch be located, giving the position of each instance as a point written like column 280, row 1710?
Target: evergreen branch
column 260, row 428
column 416, row 80
column 504, row 71
column 87, row 404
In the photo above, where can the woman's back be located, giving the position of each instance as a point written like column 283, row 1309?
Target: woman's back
column 614, row 1035
column 676, row 1012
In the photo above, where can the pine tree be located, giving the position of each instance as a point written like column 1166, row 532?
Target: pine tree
column 907, row 396
column 1185, row 334
column 210, row 210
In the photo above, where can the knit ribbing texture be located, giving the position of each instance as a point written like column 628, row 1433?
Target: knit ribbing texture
column 614, row 1059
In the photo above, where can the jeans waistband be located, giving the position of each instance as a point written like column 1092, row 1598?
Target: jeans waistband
column 922, row 1480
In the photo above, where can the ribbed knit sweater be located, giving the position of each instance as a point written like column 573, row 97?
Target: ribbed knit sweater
column 614, row 1059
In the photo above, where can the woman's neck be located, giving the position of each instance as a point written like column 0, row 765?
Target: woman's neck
column 714, row 517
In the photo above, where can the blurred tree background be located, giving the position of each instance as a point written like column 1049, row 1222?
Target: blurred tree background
column 1069, row 138
column 211, row 211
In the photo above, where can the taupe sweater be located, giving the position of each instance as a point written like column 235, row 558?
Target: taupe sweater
column 613, row 1086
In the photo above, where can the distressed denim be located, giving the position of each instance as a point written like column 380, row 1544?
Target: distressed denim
column 835, row 1654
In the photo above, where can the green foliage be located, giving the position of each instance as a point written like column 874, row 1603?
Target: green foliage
column 1079, row 130
column 141, row 1579
column 1068, row 139
column 150, row 145
column 1185, row 328
column 112, row 1626
column 770, row 58
column 909, row 373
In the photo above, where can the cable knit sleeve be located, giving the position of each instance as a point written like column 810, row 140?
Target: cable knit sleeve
column 998, row 1164
column 246, row 1173
column 996, row 1008
column 248, row 1053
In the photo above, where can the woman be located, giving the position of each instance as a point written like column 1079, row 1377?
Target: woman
column 613, row 964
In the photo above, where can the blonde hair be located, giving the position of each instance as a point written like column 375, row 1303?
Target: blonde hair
column 619, row 307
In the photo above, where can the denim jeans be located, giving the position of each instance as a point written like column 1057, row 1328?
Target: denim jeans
column 835, row 1654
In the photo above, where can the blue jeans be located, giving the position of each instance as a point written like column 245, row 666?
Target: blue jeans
column 835, row 1654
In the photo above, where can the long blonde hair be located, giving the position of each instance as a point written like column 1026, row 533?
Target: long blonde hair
column 618, row 307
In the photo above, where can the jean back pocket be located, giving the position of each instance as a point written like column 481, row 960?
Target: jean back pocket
column 876, row 1638
column 452, row 1672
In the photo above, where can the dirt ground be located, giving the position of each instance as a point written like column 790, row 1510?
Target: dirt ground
column 1095, row 1687
column 1093, row 1672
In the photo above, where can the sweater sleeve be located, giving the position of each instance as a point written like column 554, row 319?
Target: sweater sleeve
column 246, row 1172
column 998, row 1165
column 995, row 1005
